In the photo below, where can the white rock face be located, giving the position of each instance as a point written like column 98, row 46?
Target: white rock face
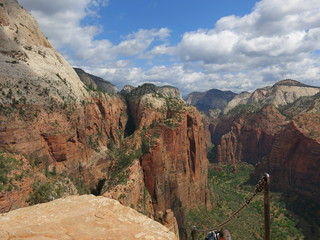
column 170, row 92
column 154, row 102
column 242, row 98
column 282, row 93
column 79, row 218
column 30, row 64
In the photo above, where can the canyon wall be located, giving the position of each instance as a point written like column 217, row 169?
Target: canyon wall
column 282, row 141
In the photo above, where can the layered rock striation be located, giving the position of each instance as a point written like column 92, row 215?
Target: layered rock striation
column 48, row 115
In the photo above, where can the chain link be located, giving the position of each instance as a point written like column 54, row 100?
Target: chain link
column 259, row 187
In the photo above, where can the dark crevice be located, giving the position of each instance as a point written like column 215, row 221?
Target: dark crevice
column 192, row 144
column 130, row 125
column 101, row 109
column 97, row 190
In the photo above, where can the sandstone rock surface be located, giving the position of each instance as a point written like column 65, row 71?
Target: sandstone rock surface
column 80, row 217
column 31, row 70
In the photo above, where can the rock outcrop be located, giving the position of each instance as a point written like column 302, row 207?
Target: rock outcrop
column 31, row 70
column 241, row 98
column 48, row 114
column 80, row 217
column 149, row 88
column 96, row 83
column 173, row 142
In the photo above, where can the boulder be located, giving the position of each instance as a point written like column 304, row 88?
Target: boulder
column 80, row 217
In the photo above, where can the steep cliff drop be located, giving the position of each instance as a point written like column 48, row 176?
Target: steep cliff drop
column 173, row 144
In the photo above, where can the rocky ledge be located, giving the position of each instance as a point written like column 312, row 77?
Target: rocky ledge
column 80, row 217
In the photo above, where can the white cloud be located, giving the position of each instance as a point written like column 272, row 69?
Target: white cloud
column 61, row 22
column 275, row 41
column 273, row 30
column 140, row 41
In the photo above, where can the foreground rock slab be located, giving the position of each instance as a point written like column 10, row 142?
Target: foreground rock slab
column 80, row 217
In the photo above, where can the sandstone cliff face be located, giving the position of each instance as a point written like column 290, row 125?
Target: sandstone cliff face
column 163, row 91
column 293, row 162
column 73, row 141
column 173, row 141
column 80, row 217
column 242, row 98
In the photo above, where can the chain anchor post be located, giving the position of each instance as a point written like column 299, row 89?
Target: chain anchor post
column 194, row 233
column 267, row 207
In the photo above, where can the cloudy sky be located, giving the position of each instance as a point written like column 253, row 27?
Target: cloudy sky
column 194, row 45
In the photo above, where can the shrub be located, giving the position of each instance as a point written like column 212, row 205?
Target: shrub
column 145, row 145
column 7, row 164
column 43, row 192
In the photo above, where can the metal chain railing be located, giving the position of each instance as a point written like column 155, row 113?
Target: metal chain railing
column 263, row 183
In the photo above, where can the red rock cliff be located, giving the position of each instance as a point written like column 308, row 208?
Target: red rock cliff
column 173, row 141
column 287, row 149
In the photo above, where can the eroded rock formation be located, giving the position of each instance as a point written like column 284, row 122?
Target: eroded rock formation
column 173, row 142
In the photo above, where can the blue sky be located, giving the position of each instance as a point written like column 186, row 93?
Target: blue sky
column 194, row 45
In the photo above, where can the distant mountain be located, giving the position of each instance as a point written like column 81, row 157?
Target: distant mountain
column 282, row 93
column 95, row 82
column 211, row 99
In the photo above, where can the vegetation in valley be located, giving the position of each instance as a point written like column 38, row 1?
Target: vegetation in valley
column 244, row 109
column 230, row 187
column 123, row 157
column 8, row 172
